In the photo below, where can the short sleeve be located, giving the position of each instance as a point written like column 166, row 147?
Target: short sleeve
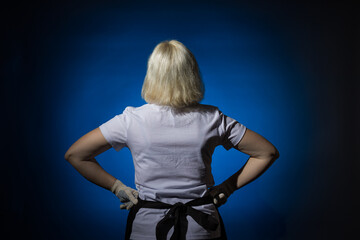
column 115, row 130
column 231, row 131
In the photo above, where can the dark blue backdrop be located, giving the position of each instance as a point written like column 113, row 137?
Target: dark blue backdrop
column 286, row 71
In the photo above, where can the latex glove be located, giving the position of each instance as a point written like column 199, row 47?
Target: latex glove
column 127, row 195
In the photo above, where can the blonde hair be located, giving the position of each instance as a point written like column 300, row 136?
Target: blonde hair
column 173, row 77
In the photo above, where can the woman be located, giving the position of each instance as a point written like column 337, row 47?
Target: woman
column 172, row 139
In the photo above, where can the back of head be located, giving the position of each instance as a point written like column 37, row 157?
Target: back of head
column 173, row 77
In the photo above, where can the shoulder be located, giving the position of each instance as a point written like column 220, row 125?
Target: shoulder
column 203, row 108
column 208, row 110
column 140, row 111
column 213, row 110
column 134, row 110
column 208, row 114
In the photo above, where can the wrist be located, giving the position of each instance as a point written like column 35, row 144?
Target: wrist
column 116, row 187
column 228, row 187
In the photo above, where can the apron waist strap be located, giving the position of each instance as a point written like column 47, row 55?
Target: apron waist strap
column 175, row 217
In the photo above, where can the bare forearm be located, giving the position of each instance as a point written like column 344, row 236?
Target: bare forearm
column 252, row 169
column 92, row 171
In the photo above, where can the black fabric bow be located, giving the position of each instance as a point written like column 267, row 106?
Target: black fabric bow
column 175, row 217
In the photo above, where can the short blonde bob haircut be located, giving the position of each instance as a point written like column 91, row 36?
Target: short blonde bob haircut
column 173, row 77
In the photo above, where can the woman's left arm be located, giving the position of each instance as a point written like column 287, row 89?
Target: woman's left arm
column 81, row 155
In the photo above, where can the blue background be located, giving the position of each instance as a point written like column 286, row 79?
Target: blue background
column 288, row 71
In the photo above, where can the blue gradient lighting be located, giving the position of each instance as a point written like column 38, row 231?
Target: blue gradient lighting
column 97, row 67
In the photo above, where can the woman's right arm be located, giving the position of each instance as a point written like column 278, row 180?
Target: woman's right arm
column 262, row 154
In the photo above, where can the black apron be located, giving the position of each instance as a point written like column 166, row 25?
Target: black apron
column 176, row 217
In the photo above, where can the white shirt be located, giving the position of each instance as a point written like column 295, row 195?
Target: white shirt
column 172, row 152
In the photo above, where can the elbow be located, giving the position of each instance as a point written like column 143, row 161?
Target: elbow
column 74, row 158
column 270, row 155
column 274, row 154
column 69, row 156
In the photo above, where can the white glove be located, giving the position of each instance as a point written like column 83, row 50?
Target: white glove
column 127, row 195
